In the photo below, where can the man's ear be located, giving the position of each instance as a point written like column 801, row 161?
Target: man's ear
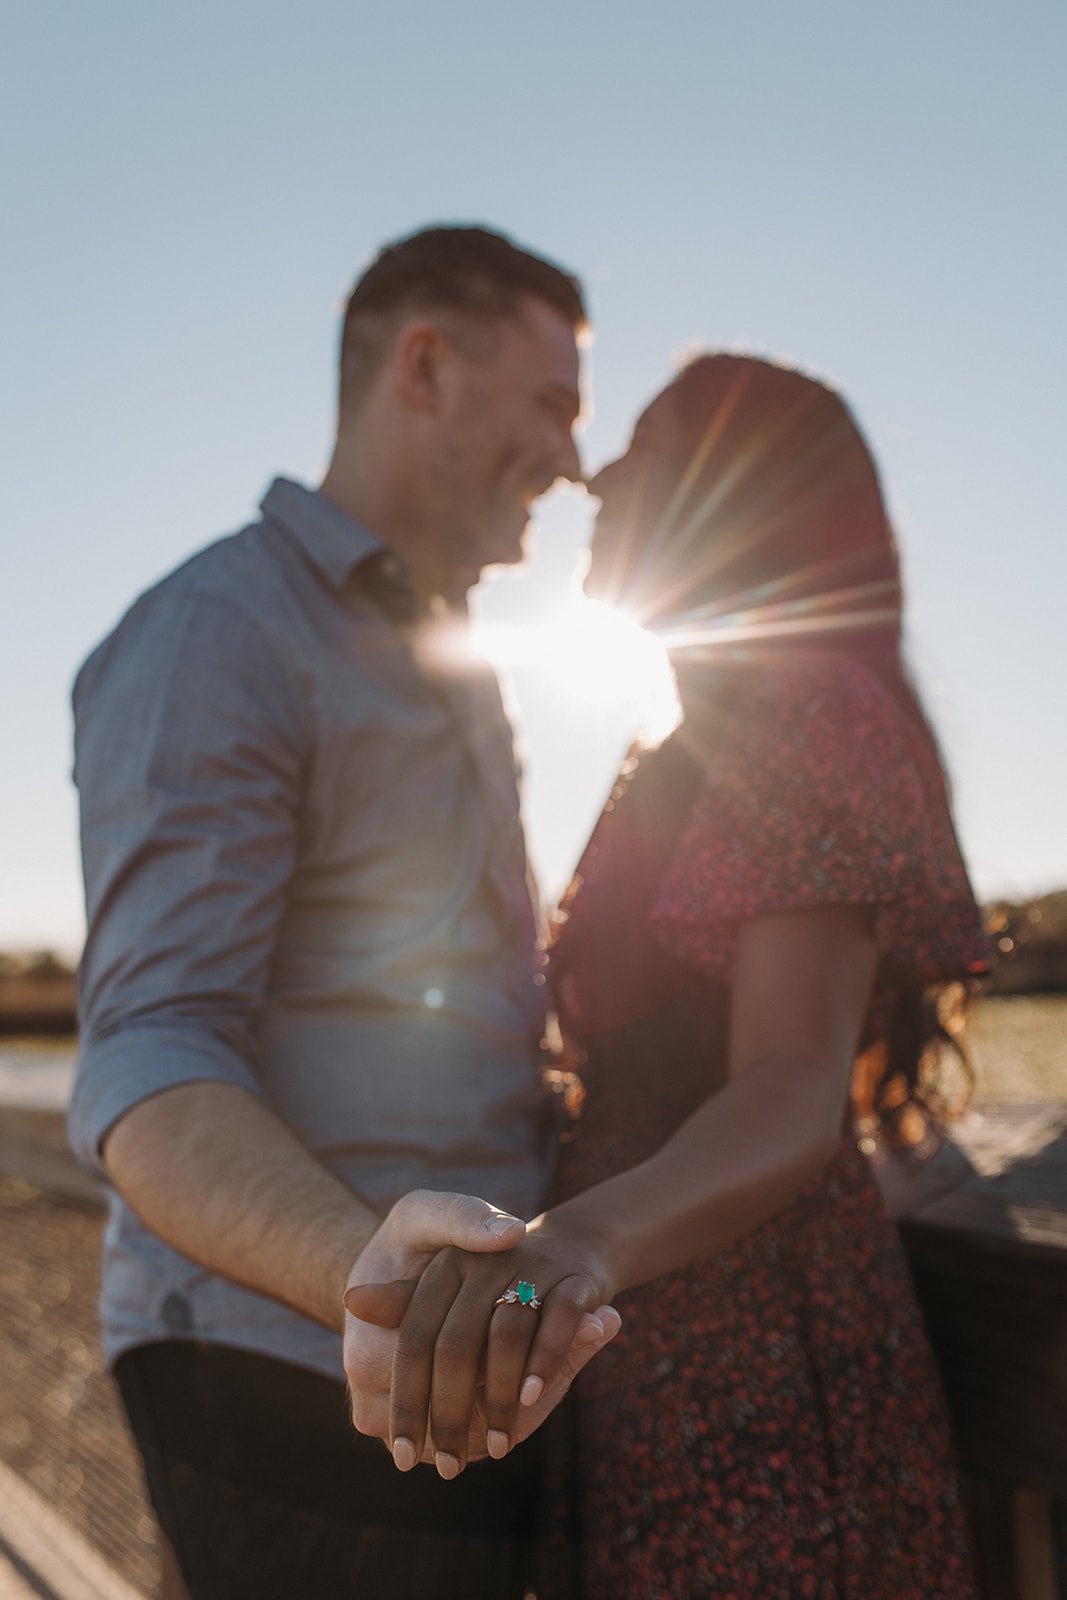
column 420, row 361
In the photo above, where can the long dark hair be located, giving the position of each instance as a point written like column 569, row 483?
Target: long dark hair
column 768, row 534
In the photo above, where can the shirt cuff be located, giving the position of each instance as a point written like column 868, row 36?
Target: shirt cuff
column 118, row 1071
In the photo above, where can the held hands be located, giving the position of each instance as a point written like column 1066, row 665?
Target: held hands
column 466, row 1375
column 418, row 1225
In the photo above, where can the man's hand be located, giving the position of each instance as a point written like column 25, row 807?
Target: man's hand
column 412, row 1233
column 417, row 1227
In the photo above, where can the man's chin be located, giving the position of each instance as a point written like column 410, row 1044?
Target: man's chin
column 506, row 553
column 513, row 561
column 498, row 549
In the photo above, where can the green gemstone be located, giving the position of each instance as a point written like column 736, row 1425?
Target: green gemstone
column 525, row 1292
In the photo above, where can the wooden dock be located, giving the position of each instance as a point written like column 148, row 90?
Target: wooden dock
column 984, row 1223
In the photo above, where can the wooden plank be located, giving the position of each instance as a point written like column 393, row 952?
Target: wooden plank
column 171, row 1583
column 1035, row 1554
column 908, row 1185
column 989, row 1142
column 45, row 1545
column 1022, row 1210
column 1001, row 1178
column 999, row 1133
column 985, row 1230
column 998, row 1328
column 989, row 1517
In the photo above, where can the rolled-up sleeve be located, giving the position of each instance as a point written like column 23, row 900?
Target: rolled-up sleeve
column 188, row 759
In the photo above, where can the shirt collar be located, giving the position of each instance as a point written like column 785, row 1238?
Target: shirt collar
column 334, row 541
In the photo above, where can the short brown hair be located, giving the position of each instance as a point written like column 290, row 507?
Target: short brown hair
column 469, row 270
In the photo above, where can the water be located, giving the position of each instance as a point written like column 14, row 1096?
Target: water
column 36, row 1072
column 1018, row 1046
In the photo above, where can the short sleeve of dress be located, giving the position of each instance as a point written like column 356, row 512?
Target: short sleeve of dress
column 822, row 790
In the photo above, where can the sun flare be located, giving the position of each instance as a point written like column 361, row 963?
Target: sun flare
column 597, row 655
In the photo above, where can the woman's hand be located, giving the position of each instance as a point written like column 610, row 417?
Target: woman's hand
column 458, row 1349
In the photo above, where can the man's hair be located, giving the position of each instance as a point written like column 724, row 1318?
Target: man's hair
column 466, row 271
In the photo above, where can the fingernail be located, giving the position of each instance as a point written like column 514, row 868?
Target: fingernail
column 501, row 1224
column 497, row 1444
column 592, row 1329
column 611, row 1320
column 447, row 1465
column 531, row 1389
column 404, row 1454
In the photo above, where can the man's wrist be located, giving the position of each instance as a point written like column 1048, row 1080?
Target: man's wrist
column 353, row 1237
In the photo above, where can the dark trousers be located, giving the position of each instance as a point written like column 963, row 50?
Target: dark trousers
column 265, row 1490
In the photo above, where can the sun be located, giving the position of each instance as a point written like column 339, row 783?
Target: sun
column 595, row 654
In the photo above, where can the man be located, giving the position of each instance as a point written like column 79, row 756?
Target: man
column 309, row 1000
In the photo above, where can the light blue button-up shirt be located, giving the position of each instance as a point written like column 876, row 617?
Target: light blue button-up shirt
column 304, row 875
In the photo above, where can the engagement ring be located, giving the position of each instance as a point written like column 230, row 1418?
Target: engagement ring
column 523, row 1294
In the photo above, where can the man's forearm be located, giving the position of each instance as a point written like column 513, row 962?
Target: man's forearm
column 214, row 1173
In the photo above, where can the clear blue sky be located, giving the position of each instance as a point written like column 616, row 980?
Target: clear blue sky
column 875, row 191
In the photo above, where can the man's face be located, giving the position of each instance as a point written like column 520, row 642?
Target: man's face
column 506, row 434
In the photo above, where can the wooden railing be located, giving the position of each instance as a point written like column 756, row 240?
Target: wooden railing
column 984, row 1223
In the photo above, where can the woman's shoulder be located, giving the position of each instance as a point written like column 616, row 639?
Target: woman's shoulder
column 817, row 722
column 823, row 786
column 818, row 688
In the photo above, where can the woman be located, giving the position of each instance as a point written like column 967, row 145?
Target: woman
column 766, row 898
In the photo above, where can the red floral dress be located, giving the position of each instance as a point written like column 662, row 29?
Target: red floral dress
column 769, row 1423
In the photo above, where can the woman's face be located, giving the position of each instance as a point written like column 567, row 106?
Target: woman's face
column 634, row 493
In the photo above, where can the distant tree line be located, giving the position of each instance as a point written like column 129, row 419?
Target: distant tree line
column 1030, row 945
column 36, row 993
column 1029, row 940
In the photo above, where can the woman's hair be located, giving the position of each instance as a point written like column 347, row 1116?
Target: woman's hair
column 770, row 507
column 773, row 536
